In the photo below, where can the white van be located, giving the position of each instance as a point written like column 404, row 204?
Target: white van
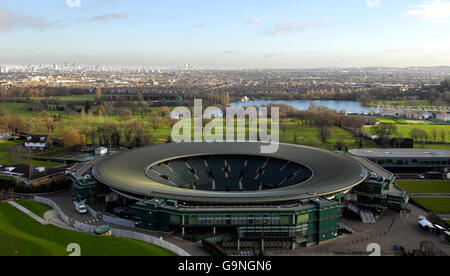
column 80, row 207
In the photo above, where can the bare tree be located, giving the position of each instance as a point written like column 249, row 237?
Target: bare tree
column 325, row 133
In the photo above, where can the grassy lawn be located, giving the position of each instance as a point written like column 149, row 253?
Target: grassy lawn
column 389, row 121
column 438, row 205
column 432, row 146
column 425, row 186
column 35, row 207
column 404, row 103
column 20, row 235
column 405, row 129
column 73, row 98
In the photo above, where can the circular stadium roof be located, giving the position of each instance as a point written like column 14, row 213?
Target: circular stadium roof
column 332, row 173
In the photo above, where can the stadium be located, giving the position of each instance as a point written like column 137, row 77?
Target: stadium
column 230, row 192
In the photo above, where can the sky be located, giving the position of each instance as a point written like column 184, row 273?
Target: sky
column 226, row 33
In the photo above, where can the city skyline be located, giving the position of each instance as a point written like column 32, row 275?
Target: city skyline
column 232, row 34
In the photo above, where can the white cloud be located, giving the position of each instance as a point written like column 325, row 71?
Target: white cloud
column 436, row 9
column 284, row 28
column 230, row 52
column 254, row 21
column 373, row 3
column 199, row 26
column 108, row 17
column 10, row 20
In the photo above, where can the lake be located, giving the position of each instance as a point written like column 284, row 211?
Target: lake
column 348, row 106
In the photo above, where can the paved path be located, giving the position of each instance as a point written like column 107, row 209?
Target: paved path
column 53, row 218
column 28, row 212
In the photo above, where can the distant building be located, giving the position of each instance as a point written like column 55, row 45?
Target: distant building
column 5, row 136
column 38, row 142
column 33, row 175
column 407, row 160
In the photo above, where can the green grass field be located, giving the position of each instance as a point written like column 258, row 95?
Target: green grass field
column 425, row 186
column 404, row 103
column 438, row 205
column 74, row 98
column 389, row 121
column 405, row 129
column 35, row 207
column 20, row 235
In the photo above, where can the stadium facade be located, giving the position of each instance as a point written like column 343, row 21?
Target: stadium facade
column 232, row 194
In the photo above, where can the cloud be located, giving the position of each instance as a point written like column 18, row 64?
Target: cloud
column 10, row 20
column 284, row 28
column 373, row 3
column 229, row 52
column 199, row 26
column 402, row 50
column 254, row 21
column 108, row 17
column 436, row 9
column 296, row 26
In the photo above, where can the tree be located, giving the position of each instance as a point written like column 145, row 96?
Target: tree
column 14, row 154
column 324, row 134
column 443, row 134
column 101, row 110
column 415, row 133
column 49, row 125
column 73, row 138
column 98, row 93
column 125, row 115
column 134, row 133
column 385, row 130
column 109, row 134
column 155, row 120
column 434, row 133
column 284, row 126
column 165, row 111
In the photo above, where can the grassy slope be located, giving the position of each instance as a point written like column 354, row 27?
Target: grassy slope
column 438, row 205
column 425, row 186
column 21, row 235
column 35, row 207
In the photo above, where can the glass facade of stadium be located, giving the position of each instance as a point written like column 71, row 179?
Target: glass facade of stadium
column 306, row 222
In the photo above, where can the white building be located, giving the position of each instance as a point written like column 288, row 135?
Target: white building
column 38, row 142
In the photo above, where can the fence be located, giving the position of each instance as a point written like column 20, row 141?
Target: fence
column 119, row 221
column 51, row 203
column 92, row 212
column 84, row 227
column 149, row 239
